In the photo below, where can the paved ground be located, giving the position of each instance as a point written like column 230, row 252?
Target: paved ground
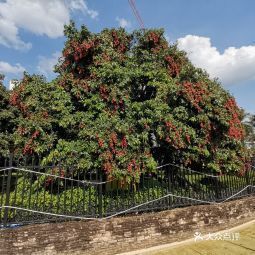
column 239, row 240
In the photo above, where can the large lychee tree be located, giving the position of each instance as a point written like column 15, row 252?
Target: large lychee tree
column 125, row 103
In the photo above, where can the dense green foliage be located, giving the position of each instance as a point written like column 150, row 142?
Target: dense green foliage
column 125, row 103
column 7, row 120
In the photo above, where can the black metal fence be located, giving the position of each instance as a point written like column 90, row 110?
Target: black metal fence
column 33, row 193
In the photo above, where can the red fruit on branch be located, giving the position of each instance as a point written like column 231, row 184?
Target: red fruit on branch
column 49, row 181
column 27, row 149
column 173, row 67
column 107, row 167
column 120, row 153
column 170, row 125
column 106, row 57
column 119, row 42
column 122, row 48
column 195, row 93
column 236, row 130
column 168, row 139
column 100, row 142
column 153, row 37
column 21, row 130
column 188, row 138
column 124, row 142
column 133, row 166
column 35, row 134
column 129, row 168
column 113, row 141
column 14, row 98
column 114, row 138
column 45, row 115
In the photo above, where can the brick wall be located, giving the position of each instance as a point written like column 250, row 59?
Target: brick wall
column 125, row 233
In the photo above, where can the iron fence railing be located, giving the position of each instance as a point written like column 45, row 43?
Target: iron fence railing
column 33, row 193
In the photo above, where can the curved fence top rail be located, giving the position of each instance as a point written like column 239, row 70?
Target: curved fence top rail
column 108, row 181
column 55, row 176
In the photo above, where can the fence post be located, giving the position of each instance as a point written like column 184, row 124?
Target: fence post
column 8, row 187
column 168, row 168
column 169, row 172
column 247, row 179
column 100, row 196
column 217, row 189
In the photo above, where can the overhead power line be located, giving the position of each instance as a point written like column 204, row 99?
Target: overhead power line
column 136, row 13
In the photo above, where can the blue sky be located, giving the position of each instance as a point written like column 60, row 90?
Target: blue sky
column 218, row 35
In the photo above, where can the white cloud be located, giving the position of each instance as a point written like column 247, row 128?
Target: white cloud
column 234, row 65
column 123, row 22
column 46, row 64
column 81, row 5
column 9, row 36
column 41, row 17
column 7, row 68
